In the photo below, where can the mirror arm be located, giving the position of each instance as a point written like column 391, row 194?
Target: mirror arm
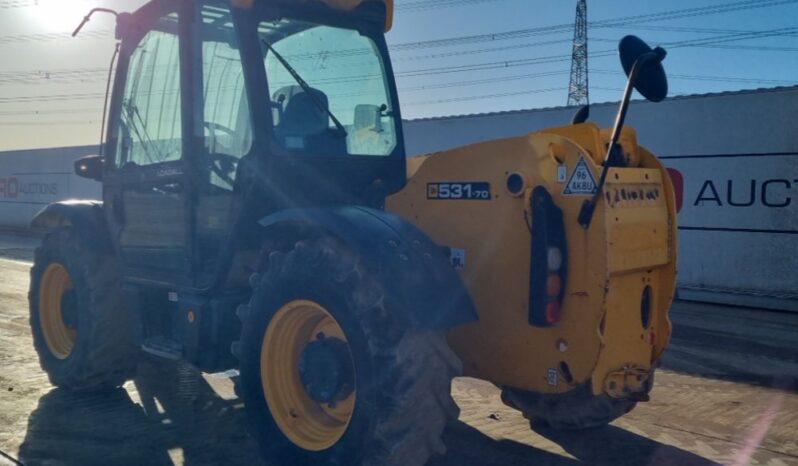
column 589, row 206
column 88, row 17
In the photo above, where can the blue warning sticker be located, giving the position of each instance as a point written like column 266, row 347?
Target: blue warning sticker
column 581, row 181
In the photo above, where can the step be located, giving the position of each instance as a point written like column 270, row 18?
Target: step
column 163, row 347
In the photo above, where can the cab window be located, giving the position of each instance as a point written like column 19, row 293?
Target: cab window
column 328, row 90
column 150, row 129
column 226, row 123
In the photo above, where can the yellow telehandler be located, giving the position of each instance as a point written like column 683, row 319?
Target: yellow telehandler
column 259, row 213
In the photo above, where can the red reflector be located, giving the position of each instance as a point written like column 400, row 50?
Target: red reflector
column 652, row 338
column 552, row 312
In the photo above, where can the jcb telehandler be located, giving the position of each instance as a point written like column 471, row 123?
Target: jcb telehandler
column 256, row 197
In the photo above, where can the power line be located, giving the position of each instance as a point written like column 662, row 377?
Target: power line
column 20, row 3
column 693, row 77
column 609, row 23
column 477, row 82
column 454, row 69
column 602, row 53
column 705, row 42
column 503, row 48
column 17, row 4
column 51, row 98
column 24, row 38
column 699, row 30
column 411, row 7
column 734, row 37
column 758, row 48
column 47, row 123
column 485, row 96
column 66, row 111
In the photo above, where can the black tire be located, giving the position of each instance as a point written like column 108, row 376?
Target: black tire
column 102, row 356
column 404, row 376
column 574, row 410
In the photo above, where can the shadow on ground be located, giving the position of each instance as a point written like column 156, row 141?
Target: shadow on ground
column 611, row 446
column 181, row 420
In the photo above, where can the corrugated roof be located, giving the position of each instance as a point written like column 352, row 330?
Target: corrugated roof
column 678, row 97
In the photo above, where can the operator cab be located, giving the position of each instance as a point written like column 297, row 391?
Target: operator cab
column 224, row 112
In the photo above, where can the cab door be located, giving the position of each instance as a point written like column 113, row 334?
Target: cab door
column 146, row 189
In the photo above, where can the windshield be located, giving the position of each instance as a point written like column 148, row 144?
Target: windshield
column 328, row 75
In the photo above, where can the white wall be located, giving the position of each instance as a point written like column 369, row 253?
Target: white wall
column 740, row 254
column 738, row 156
column 31, row 179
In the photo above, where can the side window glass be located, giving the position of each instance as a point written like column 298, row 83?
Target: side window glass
column 150, row 123
column 226, row 124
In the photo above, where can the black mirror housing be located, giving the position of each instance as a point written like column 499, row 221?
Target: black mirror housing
column 90, row 167
column 650, row 80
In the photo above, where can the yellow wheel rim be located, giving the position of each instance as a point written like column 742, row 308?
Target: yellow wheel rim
column 59, row 338
column 307, row 423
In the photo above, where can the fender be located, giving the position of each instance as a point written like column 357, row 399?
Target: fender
column 85, row 216
column 432, row 293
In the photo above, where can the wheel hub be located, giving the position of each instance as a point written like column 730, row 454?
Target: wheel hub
column 325, row 368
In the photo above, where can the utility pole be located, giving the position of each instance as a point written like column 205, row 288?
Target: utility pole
column 578, row 91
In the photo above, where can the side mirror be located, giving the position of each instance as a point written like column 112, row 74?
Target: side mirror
column 90, row 167
column 649, row 79
column 643, row 67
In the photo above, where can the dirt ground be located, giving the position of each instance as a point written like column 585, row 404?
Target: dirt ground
column 726, row 395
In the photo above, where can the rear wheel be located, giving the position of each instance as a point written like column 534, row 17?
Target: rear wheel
column 329, row 376
column 81, row 331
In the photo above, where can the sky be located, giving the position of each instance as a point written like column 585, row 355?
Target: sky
column 510, row 55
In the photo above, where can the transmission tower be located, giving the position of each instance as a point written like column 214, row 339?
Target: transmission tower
column 578, row 91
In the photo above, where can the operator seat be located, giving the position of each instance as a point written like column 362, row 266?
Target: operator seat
column 302, row 123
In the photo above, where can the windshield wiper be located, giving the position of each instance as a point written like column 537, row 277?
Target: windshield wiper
column 305, row 87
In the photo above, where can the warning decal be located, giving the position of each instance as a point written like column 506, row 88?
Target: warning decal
column 582, row 181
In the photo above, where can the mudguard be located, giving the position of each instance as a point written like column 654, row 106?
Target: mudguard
column 85, row 216
column 428, row 289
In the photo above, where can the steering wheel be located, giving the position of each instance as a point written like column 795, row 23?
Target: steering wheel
column 221, row 164
column 212, row 128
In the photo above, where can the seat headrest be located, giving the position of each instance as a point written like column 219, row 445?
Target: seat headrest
column 301, row 113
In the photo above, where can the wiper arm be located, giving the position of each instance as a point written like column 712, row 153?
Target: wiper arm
column 131, row 111
column 305, row 87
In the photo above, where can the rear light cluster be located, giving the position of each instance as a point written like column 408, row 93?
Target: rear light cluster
column 549, row 262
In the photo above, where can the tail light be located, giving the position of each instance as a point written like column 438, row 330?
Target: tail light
column 548, row 267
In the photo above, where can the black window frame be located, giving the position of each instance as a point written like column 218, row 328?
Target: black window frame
column 392, row 167
column 139, row 25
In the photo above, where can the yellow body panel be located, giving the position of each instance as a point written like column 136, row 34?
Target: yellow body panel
column 629, row 245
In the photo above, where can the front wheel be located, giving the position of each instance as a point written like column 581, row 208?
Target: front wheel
column 330, row 376
column 81, row 329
